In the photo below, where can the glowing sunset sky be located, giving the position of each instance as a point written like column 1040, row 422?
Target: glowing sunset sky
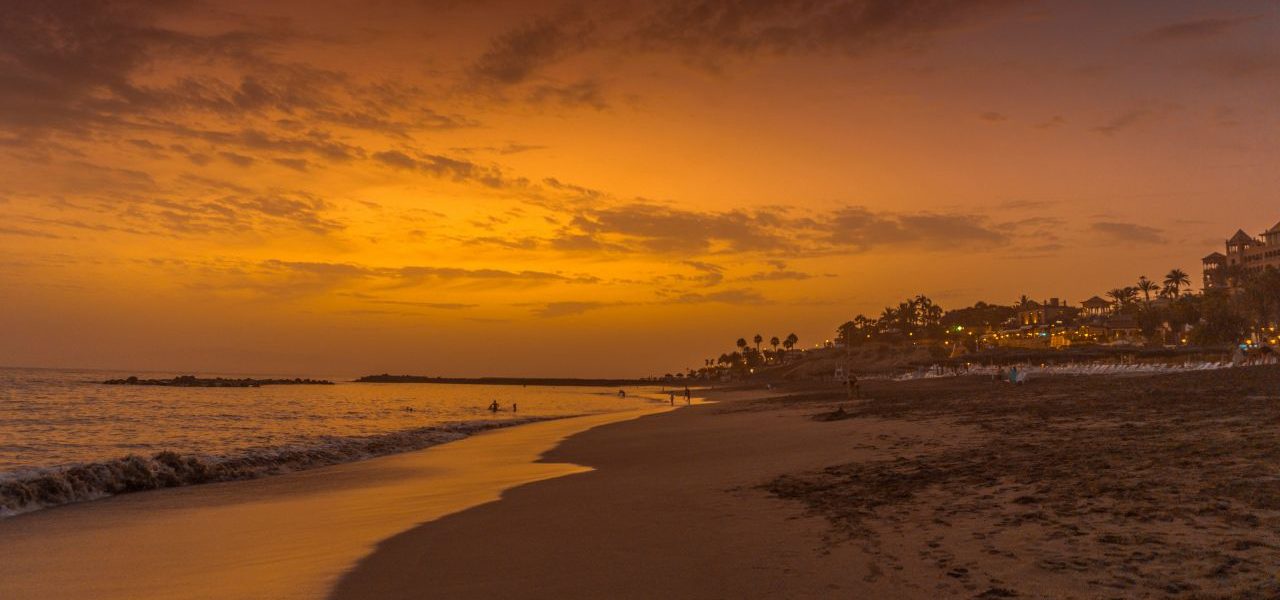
column 599, row 188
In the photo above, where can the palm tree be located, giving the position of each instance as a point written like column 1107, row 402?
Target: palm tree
column 927, row 313
column 861, row 322
column 790, row 341
column 1123, row 296
column 907, row 315
column 1024, row 302
column 1175, row 280
column 759, row 338
column 1146, row 286
column 888, row 317
column 741, row 343
column 1114, row 294
column 774, row 341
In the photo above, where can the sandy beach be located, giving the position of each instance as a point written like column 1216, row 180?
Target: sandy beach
column 1147, row 486
column 1141, row 487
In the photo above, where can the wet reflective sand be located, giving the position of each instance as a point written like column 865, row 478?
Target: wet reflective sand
column 289, row 536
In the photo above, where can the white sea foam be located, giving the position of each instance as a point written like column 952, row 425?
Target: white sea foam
column 32, row 489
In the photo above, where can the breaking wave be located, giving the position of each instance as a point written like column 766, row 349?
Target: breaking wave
column 34, row 489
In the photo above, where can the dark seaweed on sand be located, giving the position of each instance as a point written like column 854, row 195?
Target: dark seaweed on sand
column 1162, row 486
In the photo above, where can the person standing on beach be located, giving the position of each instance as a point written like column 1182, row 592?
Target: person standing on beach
column 673, row 398
column 513, row 407
column 493, row 406
column 688, row 397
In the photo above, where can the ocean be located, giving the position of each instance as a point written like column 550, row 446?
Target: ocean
column 66, row 437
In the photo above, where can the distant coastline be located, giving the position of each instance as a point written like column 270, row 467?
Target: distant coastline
column 548, row 381
column 193, row 381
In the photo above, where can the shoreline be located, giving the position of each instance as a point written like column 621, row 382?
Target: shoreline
column 1145, row 486
column 670, row 507
column 33, row 489
column 286, row 536
column 522, row 381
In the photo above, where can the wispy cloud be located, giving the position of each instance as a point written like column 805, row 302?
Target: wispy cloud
column 1128, row 233
column 1196, row 29
column 515, row 56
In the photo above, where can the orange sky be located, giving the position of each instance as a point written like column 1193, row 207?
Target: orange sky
column 600, row 188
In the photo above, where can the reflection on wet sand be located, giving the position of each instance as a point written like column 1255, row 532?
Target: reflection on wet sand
column 283, row 537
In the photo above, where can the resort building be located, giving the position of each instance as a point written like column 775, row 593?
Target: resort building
column 1051, row 311
column 1245, row 255
column 1096, row 307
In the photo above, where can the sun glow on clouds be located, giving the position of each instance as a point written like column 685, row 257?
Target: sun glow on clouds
column 607, row 188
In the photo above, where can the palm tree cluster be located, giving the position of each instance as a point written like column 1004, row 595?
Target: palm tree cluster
column 1248, row 310
column 917, row 316
column 1174, row 281
column 749, row 355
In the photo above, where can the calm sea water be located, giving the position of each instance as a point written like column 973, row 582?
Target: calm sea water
column 52, row 419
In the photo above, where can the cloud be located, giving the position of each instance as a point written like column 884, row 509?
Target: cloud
column 993, row 117
column 576, row 307
column 573, row 192
column 1262, row 66
column 517, row 55
column 450, row 168
column 413, row 275
column 706, row 27
column 419, row 274
column 414, row 303
column 861, row 229
column 778, row 275
column 190, row 206
column 774, row 231
column 1128, row 233
column 1196, row 29
column 584, row 93
column 1051, row 122
column 297, row 164
column 664, row 229
column 569, row 308
column 316, row 142
column 22, row 231
column 48, row 83
column 120, row 68
column 1124, row 120
column 708, row 274
column 505, row 149
column 734, row 296
column 239, row 160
